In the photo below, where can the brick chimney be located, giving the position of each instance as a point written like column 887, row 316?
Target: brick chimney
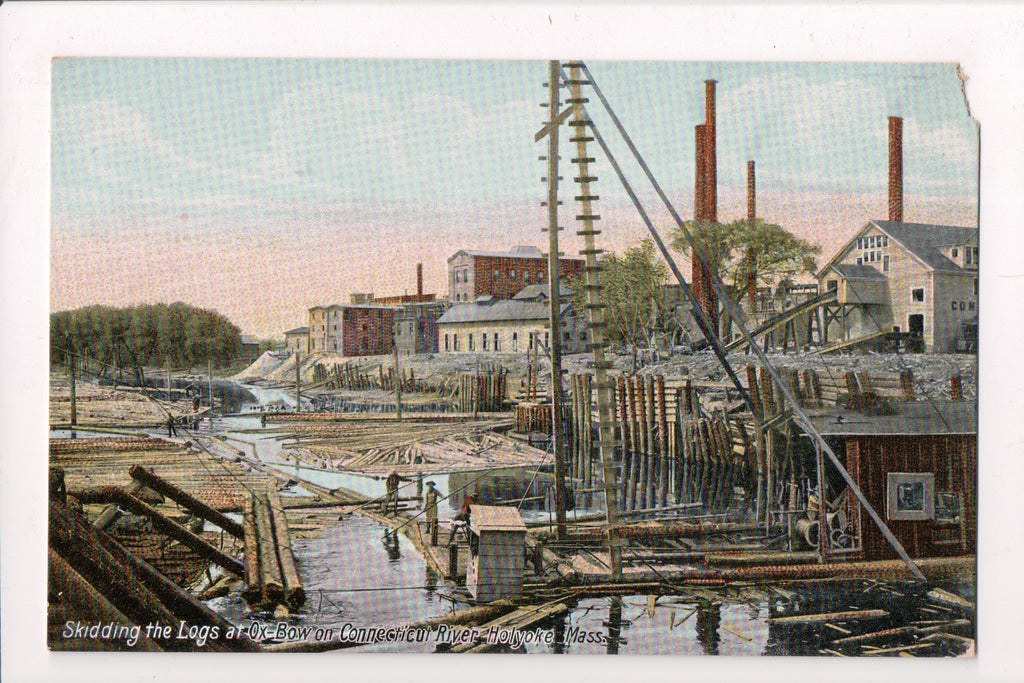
column 419, row 279
column 896, row 169
column 699, row 175
column 751, row 193
column 710, row 152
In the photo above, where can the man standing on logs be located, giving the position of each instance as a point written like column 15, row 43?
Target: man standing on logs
column 430, row 499
column 391, row 484
column 171, row 431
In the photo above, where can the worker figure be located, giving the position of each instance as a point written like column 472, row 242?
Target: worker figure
column 461, row 520
column 391, row 484
column 263, row 420
column 430, row 499
column 171, row 431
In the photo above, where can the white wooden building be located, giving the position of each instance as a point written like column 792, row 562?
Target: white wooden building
column 907, row 277
column 508, row 326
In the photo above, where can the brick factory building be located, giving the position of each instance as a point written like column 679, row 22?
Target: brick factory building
column 473, row 273
column 351, row 330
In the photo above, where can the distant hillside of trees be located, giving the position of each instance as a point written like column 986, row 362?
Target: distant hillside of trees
column 177, row 335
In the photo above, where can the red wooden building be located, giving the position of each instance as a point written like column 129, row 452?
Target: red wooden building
column 917, row 469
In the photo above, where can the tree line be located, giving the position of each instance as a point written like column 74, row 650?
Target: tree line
column 175, row 335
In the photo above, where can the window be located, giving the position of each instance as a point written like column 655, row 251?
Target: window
column 860, row 242
column 455, row 342
column 860, row 261
column 956, row 253
column 917, row 295
column 947, row 507
column 910, row 496
column 885, row 263
column 515, row 342
column 446, row 342
column 496, row 342
column 484, row 339
column 470, row 344
column 547, row 339
column 497, row 273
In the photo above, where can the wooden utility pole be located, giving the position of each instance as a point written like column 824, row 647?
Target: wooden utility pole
column 557, row 438
column 298, row 386
column 398, row 376
column 595, row 314
column 74, row 400
column 209, row 380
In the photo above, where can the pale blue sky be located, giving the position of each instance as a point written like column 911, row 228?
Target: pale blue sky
column 386, row 161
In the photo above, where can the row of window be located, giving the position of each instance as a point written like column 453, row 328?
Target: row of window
column 491, row 342
column 874, row 257
column 873, row 242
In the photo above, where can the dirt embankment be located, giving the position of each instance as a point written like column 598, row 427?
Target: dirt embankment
column 932, row 372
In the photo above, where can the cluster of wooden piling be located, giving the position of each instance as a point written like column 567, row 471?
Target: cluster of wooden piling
column 350, row 377
column 271, row 577
column 482, row 391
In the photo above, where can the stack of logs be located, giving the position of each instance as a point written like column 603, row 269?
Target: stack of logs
column 271, row 577
column 94, row 579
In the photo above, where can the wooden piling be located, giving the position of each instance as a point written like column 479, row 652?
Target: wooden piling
column 253, row 591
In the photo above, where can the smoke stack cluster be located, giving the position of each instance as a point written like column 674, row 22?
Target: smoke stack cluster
column 896, row 169
column 419, row 279
column 705, row 201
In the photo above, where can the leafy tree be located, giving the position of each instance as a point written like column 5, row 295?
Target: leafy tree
column 633, row 294
column 778, row 254
column 744, row 253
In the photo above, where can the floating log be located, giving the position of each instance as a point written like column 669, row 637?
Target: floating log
column 831, row 616
column 186, row 500
column 876, row 635
column 294, row 592
column 253, row 591
column 759, row 559
column 945, row 597
column 270, row 570
column 468, row 617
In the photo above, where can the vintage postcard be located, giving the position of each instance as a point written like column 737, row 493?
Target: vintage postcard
column 540, row 356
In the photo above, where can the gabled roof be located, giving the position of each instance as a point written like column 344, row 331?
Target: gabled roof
column 532, row 292
column 499, row 311
column 926, row 241
column 855, row 272
column 298, row 330
column 923, row 241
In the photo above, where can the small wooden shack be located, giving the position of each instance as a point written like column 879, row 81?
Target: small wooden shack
column 497, row 547
column 918, row 469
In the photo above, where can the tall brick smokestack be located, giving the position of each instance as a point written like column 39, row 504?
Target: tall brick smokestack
column 699, row 175
column 710, row 152
column 419, row 279
column 751, row 192
column 896, row 169
column 751, row 254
